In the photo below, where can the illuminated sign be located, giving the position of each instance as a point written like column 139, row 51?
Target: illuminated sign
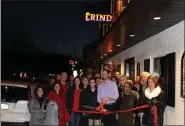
column 98, row 17
column 75, row 73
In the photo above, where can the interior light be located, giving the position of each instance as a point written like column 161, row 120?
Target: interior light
column 110, row 50
column 157, row 18
column 105, row 54
column 118, row 45
column 132, row 35
column 100, row 57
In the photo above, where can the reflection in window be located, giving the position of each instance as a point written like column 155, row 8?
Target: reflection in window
column 127, row 69
column 130, row 68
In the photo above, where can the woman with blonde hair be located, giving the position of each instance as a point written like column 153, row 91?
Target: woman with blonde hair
column 154, row 96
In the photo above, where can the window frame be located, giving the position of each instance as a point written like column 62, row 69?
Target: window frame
column 169, row 102
column 182, row 76
column 127, row 61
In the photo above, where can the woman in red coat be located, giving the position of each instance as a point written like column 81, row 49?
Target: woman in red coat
column 57, row 95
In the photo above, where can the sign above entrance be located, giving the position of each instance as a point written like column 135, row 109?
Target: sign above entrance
column 97, row 17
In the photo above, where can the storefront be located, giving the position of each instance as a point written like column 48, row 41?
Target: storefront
column 149, row 36
column 160, row 53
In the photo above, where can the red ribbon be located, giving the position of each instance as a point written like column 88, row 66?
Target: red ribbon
column 155, row 115
column 129, row 110
column 109, row 112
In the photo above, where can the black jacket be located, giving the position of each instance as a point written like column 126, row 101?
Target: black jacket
column 148, row 116
column 92, row 98
column 84, row 99
column 128, row 101
column 88, row 98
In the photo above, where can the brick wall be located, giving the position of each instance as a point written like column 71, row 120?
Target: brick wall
column 167, row 41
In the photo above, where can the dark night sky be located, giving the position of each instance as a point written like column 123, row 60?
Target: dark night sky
column 49, row 24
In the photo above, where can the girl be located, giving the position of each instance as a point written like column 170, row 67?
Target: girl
column 73, row 102
column 154, row 94
column 56, row 95
column 128, row 101
column 94, row 119
column 37, row 106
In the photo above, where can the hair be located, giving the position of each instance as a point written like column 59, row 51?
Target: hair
column 55, row 84
column 77, row 77
column 130, row 81
column 97, row 78
column 145, row 74
column 125, row 77
column 155, row 74
column 64, row 72
column 155, row 80
column 92, row 79
column 130, row 84
column 85, row 77
column 106, row 71
column 58, row 74
column 95, row 83
column 36, row 89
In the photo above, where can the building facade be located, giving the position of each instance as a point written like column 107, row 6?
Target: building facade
column 92, row 50
column 148, row 36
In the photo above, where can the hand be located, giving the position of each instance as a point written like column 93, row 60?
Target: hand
column 154, row 101
column 140, row 114
column 149, row 103
column 104, row 100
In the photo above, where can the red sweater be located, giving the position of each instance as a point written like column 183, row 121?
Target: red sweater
column 76, row 100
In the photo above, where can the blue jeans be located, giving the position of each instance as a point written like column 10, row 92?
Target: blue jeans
column 75, row 119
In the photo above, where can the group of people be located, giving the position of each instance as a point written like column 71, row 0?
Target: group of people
column 86, row 93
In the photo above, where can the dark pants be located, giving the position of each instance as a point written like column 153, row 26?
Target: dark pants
column 83, row 120
column 75, row 119
column 110, row 119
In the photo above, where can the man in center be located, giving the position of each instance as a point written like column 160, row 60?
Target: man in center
column 108, row 93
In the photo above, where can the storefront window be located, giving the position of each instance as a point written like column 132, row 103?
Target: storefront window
column 130, row 68
column 165, row 66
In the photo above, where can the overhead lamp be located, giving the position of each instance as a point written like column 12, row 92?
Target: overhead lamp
column 105, row 54
column 110, row 50
column 157, row 18
column 118, row 45
column 101, row 57
column 132, row 35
